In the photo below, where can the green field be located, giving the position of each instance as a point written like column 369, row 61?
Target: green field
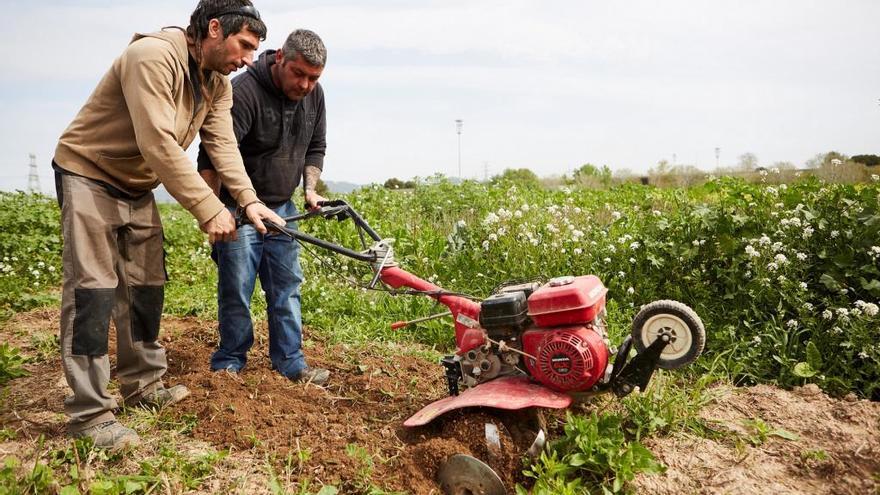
column 786, row 279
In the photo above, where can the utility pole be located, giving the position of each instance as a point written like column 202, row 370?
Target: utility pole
column 458, row 124
column 33, row 176
column 717, row 157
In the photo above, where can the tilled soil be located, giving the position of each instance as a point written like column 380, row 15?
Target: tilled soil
column 352, row 429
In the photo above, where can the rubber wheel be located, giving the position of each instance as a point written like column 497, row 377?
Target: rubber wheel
column 685, row 329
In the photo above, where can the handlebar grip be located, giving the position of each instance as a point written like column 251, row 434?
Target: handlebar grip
column 399, row 324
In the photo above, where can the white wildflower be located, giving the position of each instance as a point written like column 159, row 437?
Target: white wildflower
column 791, row 323
column 827, row 314
column 606, row 260
column 834, row 234
column 808, row 232
column 490, row 219
column 863, row 355
column 842, row 311
column 630, row 291
column 772, row 266
column 764, row 240
column 752, row 251
column 634, row 245
column 461, row 224
column 493, row 237
column 518, row 214
column 871, row 309
column 615, row 215
column 800, row 256
column 803, row 285
column 781, row 259
column 577, row 251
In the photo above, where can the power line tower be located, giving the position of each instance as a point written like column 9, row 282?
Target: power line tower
column 33, row 176
column 458, row 124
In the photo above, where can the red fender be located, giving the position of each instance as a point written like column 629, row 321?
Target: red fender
column 509, row 392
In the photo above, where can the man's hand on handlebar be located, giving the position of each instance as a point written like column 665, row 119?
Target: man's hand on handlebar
column 257, row 212
column 312, row 200
column 220, row 228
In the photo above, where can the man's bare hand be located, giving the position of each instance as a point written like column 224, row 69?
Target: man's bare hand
column 312, row 199
column 257, row 212
column 220, row 228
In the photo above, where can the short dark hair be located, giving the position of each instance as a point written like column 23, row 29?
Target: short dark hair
column 231, row 21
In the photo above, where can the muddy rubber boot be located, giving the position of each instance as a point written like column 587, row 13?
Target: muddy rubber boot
column 109, row 435
column 318, row 376
column 161, row 397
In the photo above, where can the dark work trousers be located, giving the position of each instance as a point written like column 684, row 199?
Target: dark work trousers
column 113, row 266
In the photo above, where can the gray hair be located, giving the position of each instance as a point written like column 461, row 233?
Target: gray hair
column 305, row 43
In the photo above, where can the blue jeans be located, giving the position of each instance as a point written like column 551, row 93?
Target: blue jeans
column 275, row 259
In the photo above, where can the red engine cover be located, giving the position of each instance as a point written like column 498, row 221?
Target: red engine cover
column 569, row 359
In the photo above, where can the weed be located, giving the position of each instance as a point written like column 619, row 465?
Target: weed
column 45, row 346
column 817, row 455
column 7, row 434
column 11, row 363
column 593, row 449
column 761, row 431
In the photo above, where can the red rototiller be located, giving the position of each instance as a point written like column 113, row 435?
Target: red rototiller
column 527, row 345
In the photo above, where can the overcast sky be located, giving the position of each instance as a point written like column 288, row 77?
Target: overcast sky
column 546, row 85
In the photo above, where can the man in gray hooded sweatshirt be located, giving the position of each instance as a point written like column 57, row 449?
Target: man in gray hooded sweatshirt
column 279, row 121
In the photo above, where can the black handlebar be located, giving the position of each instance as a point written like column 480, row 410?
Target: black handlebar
column 336, row 208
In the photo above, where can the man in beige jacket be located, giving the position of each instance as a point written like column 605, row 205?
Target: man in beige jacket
column 129, row 136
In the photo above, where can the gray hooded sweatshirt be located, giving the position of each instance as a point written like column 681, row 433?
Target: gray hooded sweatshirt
column 277, row 137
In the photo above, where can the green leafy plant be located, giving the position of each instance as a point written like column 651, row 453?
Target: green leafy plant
column 593, row 449
column 11, row 363
column 761, row 431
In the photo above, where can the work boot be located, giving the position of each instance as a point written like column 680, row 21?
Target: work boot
column 161, row 397
column 318, row 376
column 109, row 435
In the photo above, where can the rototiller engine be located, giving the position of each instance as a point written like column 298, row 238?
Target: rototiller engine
column 527, row 345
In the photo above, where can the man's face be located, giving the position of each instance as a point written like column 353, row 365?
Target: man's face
column 296, row 78
column 229, row 54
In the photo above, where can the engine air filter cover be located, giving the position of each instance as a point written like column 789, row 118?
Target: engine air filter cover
column 506, row 309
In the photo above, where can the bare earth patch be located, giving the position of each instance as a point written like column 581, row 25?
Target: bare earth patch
column 350, row 433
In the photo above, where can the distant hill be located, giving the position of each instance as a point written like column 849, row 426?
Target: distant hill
column 342, row 187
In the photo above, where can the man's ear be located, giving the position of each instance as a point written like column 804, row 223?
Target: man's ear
column 215, row 30
column 279, row 57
